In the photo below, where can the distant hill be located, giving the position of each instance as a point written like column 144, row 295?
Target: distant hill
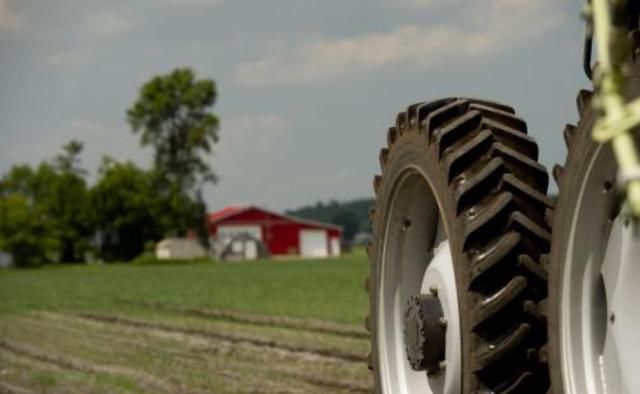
column 352, row 215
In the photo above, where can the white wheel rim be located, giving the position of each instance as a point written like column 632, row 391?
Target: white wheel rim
column 416, row 256
column 599, row 318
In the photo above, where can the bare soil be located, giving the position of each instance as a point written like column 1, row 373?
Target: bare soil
column 178, row 350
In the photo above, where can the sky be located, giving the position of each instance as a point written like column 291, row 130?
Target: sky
column 307, row 88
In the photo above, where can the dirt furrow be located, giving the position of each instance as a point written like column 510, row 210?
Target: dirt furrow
column 94, row 332
column 322, row 380
column 333, row 384
column 150, row 382
column 233, row 339
column 308, row 325
column 328, row 374
column 6, row 388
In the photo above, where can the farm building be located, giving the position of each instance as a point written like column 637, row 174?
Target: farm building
column 281, row 234
column 179, row 248
column 240, row 247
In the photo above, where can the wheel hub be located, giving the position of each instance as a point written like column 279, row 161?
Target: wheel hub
column 424, row 333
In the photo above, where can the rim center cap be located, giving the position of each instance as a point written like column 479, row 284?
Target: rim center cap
column 425, row 333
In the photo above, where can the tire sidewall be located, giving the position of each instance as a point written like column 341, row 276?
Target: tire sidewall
column 580, row 153
column 582, row 150
column 413, row 152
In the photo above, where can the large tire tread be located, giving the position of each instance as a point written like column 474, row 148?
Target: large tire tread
column 499, row 189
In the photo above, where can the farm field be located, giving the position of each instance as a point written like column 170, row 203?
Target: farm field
column 261, row 327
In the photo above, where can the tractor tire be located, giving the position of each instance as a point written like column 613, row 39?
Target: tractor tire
column 581, row 310
column 459, row 228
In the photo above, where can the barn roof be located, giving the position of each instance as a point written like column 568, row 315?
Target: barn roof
column 232, row 210
column 227, row 212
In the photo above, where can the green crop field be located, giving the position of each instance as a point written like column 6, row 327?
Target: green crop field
column 267, row 326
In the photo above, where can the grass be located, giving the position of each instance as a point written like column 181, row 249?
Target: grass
column 188, row 327
column 328, row 289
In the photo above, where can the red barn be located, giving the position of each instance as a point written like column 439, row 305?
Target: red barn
column 282, row 234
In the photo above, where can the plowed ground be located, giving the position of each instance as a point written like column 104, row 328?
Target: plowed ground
column 144, row 344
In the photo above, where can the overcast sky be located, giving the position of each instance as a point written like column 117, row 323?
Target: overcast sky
column 307, row 88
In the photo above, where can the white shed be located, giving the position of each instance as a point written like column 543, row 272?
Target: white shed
column 179, row 248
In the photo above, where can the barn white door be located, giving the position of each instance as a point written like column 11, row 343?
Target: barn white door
column 250, row 250
column 313, row 243
column 335, row 246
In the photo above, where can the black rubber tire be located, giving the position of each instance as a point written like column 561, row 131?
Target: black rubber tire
column 569, row 178
column 497, row 231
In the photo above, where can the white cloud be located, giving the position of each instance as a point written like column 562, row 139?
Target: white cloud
column 330, row 58
column 485, row 29
column 67, row 58
column 8, row 19
column 107, row 24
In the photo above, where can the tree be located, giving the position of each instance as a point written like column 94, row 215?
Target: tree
column 24, row 232
column 125, row 210
column 69, row 160
column 332, row 211
column 172, row 115
column 67, row 210
column 51, row 196
column 66, row 203
column 349, row 222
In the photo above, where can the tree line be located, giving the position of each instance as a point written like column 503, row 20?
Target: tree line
column 49, row 212
column 353, row 215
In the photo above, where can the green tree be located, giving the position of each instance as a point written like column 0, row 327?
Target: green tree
column 24, row 232
column 26, row 229
column 67, row 204
column 125, row 210
column 67, row 209
column 172, row 114
column 349, row 222
column 69, row 160
column 331, row 211
column 55, row 197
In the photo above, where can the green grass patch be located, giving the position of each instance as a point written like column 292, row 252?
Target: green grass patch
column 327, row 289
column 44, row 378
column 121, row 383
